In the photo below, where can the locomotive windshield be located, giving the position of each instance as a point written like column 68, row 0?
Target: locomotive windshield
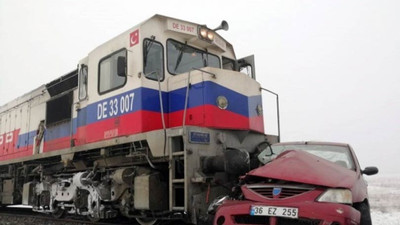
column 182, row 58
column 153, row 59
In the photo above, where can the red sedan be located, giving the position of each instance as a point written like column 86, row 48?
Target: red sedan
column 301, row 183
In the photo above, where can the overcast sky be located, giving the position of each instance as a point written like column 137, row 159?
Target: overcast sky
column 335, row 64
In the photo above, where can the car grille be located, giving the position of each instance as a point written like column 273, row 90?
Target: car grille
column 301, row 221
column 247, row 219
column 286, row 191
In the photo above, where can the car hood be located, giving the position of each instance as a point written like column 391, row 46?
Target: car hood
column 303, row 167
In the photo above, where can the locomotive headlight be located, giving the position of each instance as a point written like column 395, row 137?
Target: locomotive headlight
column 210, row 36
column 222, row 102
column 206, row 34
column 203, row 32
column 336, row 195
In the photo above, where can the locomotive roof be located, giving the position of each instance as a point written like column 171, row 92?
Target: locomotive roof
column 156, row 16
column 44, row 88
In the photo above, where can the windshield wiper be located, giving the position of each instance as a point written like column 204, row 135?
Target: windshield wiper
column 147, row 50
column 182, row 49
column 204, row 57
column 178, row 61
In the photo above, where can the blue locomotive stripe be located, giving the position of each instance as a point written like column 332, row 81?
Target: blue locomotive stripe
column 128, row 102
column 58, row 131
column 148, row 99
column 237, row 102
column 26, row 139
column 206, row 93
column 254, row 101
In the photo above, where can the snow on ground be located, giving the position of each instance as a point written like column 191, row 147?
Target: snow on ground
column 384, row 197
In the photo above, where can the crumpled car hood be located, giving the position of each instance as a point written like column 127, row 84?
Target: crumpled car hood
column 303, row 167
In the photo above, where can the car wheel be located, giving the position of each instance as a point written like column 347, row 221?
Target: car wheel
column 365, row 214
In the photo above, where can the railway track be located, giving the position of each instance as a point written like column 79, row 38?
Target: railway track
column 25, row 216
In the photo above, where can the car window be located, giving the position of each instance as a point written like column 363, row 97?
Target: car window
column 340, row 155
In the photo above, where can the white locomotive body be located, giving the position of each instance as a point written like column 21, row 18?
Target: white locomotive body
column 154, row 124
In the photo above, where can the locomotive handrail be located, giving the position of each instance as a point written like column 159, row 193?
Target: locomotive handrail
column 162, row 114
column 186, row 99
column 277, row 110
column 161, row 106
column 213, row 75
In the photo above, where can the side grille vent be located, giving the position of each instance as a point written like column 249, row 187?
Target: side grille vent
column 265, row 220
column 247, row 219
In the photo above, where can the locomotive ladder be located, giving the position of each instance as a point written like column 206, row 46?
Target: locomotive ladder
column 177, row 174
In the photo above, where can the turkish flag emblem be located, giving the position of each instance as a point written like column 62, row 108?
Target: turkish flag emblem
column 134, row 38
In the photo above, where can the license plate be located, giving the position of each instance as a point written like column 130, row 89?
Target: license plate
column 257, row 210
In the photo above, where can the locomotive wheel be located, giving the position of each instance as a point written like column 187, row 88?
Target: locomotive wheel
column 93, row 219
column 146, row 221
column 58, row 213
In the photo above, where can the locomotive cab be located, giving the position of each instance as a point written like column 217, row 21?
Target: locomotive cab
column 191, row 67
column 181, row 90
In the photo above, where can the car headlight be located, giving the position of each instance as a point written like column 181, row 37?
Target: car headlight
column 336, row 195
column 216, row 203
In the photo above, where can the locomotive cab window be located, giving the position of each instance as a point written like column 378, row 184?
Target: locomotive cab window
column 83, row 72
column 153, row 61
column 228, row 64
column 109, row 78
column 182, row 58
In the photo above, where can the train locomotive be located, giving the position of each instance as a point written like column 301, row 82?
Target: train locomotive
column 153, row 125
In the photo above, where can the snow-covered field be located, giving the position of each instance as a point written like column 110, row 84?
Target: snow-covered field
column 384, row 194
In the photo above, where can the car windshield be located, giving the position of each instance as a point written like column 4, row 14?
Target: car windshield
column 340, row 155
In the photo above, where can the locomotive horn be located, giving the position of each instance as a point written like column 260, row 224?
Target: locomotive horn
column 224, row 26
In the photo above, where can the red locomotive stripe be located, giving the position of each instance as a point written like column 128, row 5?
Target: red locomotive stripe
column 143, row 121
column 212, row 116
column 56, row 144
column 257, row 123
column 216, row 117
column 128, row 124
column 16, row 154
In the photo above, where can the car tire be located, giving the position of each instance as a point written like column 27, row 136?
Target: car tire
column 365, row 213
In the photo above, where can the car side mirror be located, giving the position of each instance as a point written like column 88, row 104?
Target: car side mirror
column 266, row 154
column 121, row 66
column 265, row 147
column 370, row 170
